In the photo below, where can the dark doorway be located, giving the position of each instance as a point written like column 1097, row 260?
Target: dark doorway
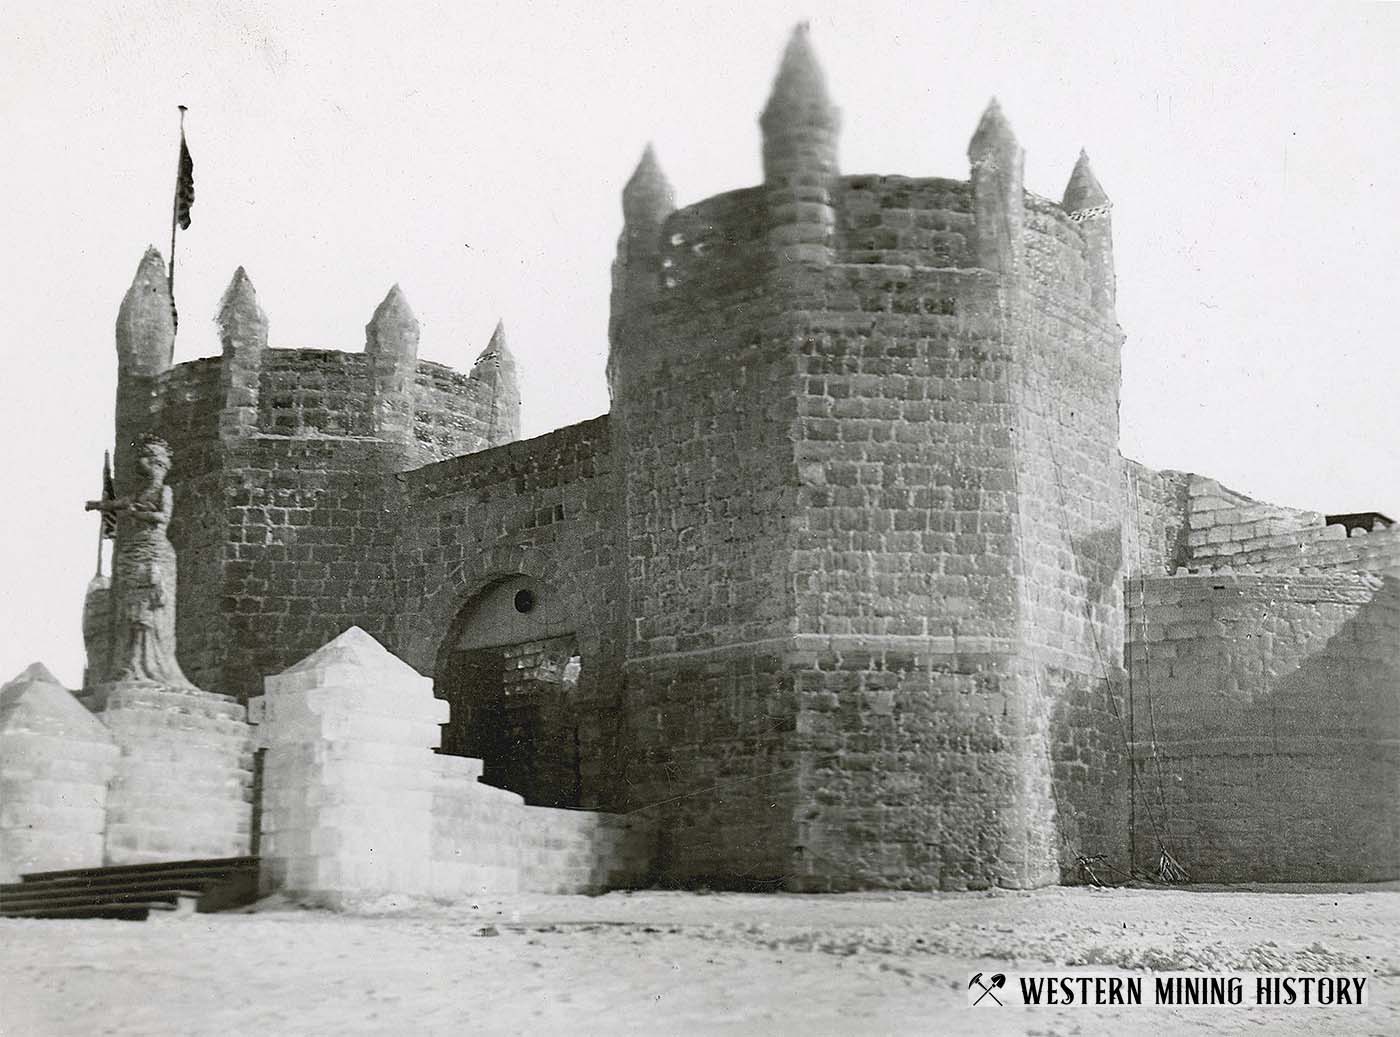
column 512, row 708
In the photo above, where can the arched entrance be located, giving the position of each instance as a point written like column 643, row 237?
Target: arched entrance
column 510, row 667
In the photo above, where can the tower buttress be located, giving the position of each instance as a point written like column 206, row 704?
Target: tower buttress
column 145, row 344
column 997, row 191
column 494, row 372
column 800, row 130
column 243, row 336
column 646, row 202
column 1089, row 206
column 391, row 341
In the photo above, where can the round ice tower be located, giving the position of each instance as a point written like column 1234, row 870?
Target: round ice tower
column 867, row 431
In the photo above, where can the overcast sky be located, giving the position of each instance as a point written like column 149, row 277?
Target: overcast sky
column 474, row 153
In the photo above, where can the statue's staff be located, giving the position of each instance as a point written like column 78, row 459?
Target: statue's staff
column 107, row 529
column 112, row 507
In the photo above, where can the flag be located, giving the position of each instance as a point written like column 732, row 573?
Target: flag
column 109, row 493
column 184, row 185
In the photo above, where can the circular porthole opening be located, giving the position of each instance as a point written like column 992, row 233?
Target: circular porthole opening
column 524, row 600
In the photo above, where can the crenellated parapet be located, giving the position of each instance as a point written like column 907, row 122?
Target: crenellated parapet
column 285, row 464
column 820, row 239
column 250, row 390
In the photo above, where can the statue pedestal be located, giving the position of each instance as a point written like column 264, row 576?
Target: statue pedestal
column 183, row 785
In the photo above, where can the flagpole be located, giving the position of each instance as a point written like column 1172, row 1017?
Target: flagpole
column 175, row 209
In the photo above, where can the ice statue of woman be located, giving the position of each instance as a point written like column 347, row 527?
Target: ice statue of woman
column 143, row 576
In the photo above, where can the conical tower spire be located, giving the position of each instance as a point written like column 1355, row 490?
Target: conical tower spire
column 391, row 341
column 1083, row 190
column 1087, row 204
column 497, row 347
column 393, row 328
column 238, row 307
column 145, row 322
column 799, row 90
column 647, row 200
column 243, row 335
column 799, row 122
column 800, row 130
column 993, row 135
column 145, row 344
column 998, row 193
column 648, row 197
column 495, row 372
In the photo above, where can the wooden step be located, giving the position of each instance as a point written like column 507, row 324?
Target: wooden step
column 132, row 891
column 185, row 877
column 11, row 905
column 156, row 868
column 133, row 911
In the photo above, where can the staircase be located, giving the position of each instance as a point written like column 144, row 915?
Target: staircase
column 133, row 891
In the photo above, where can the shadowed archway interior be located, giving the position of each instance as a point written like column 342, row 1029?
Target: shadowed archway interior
column 510, row 668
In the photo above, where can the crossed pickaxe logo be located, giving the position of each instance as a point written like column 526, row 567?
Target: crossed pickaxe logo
column 997, row 982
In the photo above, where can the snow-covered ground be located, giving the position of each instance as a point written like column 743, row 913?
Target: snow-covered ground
column 681, row 963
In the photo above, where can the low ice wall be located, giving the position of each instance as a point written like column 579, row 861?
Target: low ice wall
column 1265, row 719
column 477, row 834
column 56, row 759
column 356, row 803
column 486, row 840
column 582, row 851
